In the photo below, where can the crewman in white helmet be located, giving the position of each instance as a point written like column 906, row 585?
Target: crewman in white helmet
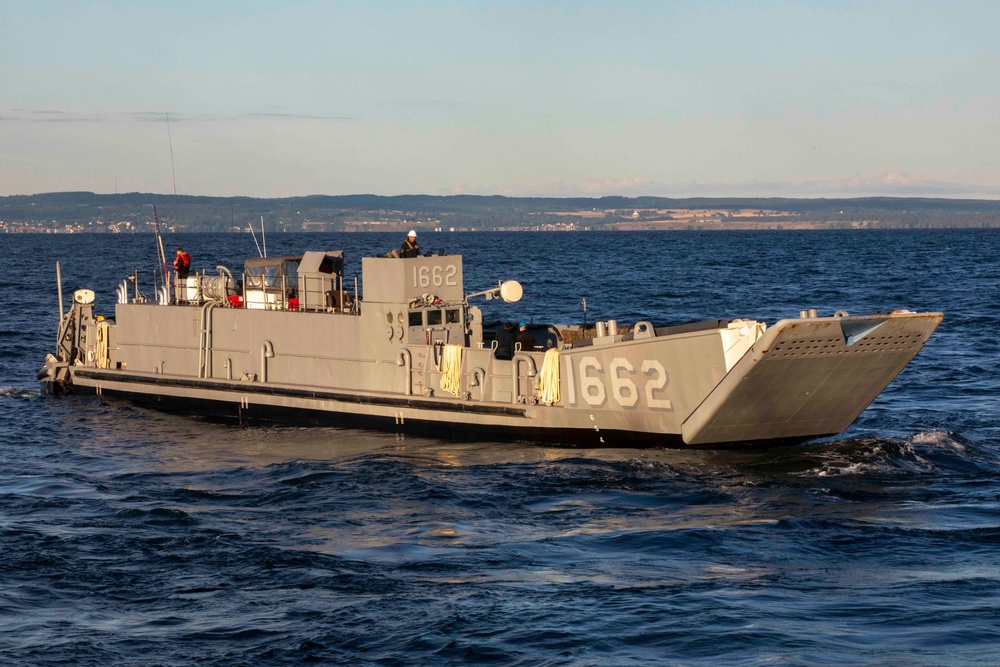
column 410, row 247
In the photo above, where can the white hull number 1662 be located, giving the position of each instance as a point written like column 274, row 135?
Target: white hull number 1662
column 624, row 383
column 436, row 276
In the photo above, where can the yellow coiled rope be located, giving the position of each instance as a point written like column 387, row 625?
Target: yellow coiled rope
column 451, row 370
column 103, row 330
column 548, row 378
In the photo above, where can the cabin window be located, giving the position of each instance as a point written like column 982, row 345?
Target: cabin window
column 290, row 272
column 451, row 316
column 433, row 317
column 253, row 279
column 416, row 318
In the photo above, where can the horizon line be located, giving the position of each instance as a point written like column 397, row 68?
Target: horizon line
column 946, row 196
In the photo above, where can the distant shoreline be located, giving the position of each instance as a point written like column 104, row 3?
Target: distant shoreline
column 83, row 212
column 668, row 230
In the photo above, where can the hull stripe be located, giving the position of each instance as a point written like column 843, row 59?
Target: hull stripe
column 257, row 388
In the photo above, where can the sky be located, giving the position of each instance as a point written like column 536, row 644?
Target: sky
column 575, row 98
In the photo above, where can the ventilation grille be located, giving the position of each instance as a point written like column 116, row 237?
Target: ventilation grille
column 819, row 347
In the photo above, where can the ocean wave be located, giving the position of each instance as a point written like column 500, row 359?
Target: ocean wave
column 18, row 393
column 62, row 486
column 879, row 457
column 132, row 536
column 937, row 439
column 159, row 516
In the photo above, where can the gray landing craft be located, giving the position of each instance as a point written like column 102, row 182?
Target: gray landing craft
column 291, row 344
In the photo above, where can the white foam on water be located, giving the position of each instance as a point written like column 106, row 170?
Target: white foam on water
column 18, row 392
column 871, row 457
column 937, row 439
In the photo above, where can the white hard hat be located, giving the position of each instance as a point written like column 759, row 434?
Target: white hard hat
column 412, row 233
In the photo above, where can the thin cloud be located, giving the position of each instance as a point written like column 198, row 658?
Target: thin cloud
column 890, row 184
column 47, row 116
column 156, row 116
column 161, row 117
column 299, row 116
column 55, row 116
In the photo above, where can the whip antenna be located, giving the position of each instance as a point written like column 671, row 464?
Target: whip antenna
column 254, row 235
column 170, row 141
column 163, row 256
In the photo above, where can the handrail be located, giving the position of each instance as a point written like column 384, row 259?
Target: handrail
column 406, row 359
column 479, row 380
column 515, row 376
column 266, row 352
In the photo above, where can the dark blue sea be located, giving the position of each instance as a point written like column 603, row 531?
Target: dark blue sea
column 130, row 537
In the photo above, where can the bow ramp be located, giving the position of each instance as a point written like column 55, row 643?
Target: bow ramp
column 809, row 377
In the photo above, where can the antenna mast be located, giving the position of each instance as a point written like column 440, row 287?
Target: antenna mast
column 163, row 256
column 170, row 140
column 254, row 235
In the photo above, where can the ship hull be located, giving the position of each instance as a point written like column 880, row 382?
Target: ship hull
column 225, row 411
column 420, row 363
column 799, row 381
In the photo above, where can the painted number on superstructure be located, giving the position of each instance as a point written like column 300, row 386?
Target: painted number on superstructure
column 436, row 276
column 622, row 378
